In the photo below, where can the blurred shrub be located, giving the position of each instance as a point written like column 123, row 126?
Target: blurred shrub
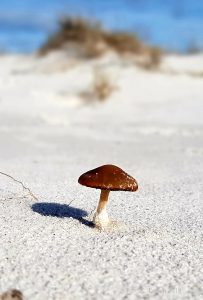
column 91, row 41
column 102, row 86
column 193, row 48
column 74, row 32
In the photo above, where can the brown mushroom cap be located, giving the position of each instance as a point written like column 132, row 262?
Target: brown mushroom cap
column 109, row 177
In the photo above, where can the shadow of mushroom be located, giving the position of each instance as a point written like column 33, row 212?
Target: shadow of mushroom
column 61, row 211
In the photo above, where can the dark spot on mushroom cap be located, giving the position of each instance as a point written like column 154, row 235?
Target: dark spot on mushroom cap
column 109, row 177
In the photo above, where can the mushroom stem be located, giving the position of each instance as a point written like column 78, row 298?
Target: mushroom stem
column 101, row 218
column 103, row 200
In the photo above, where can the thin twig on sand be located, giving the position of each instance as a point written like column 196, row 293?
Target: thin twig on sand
column 18, row 181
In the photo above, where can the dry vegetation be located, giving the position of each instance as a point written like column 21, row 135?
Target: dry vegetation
column 101, row 87
column 90, row 40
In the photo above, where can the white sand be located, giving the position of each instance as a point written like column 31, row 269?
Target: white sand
column 152, row 127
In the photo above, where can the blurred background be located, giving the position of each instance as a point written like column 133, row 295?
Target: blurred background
column 172, row 25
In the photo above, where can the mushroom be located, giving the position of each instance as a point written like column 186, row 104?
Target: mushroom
column 107, row 178
column 12, row 295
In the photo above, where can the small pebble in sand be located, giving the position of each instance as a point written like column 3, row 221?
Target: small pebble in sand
column 12, row 295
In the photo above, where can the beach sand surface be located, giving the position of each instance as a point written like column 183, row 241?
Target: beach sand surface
column 52, row 129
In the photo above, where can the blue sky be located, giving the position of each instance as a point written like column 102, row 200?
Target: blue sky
column 171, row 24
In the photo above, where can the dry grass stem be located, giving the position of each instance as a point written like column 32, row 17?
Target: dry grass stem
column 18, row 181
column 102, row 86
